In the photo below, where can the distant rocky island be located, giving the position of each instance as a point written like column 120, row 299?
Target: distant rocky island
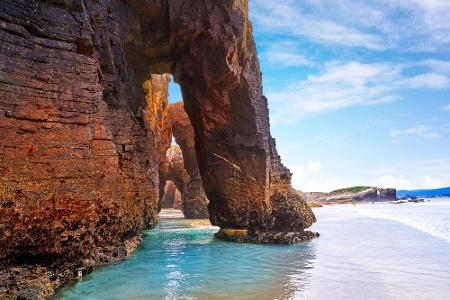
column 354, row 194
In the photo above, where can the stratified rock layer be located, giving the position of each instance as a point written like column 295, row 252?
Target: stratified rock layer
column 81, row 113
column 80, row 129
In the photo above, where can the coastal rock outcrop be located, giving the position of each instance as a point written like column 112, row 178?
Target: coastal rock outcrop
column 354, row 195
column 193, row 203
column 83, row 89
column 181, row 162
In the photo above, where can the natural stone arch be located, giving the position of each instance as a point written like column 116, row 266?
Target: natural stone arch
column 210, row 51
column 83, row 98
column 172, row 196
column 180, row 164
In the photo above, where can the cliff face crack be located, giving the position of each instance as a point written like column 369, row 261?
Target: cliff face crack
column 108, row 62
column 227, row 161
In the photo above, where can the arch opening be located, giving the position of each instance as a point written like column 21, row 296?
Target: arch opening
column 88, row 124
column 179, row 162
column 172, row 196
column 243, row 177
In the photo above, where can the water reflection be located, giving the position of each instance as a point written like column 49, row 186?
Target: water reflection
column 181, row 260
column 378, row 251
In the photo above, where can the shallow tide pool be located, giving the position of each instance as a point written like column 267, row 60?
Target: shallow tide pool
column 368, row 251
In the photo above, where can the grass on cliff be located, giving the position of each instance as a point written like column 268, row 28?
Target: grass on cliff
column 353, row 189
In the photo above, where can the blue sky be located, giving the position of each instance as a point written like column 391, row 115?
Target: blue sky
column 359, row 91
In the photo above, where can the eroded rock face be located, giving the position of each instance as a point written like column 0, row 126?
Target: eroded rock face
column 218, row 71
column 178, row 125
column 172, row 196
column 81, row 114
column 193, row 199
column 80, row 126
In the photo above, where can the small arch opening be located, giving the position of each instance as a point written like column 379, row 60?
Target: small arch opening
column 174, row 91
column 172, row 196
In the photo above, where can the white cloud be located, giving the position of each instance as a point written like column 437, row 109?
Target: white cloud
column 446, row 107
column 286, row 55
column 301, row 173
column 287, row 17
column 407, row 25
column 423, row 174
column 427, row 80
column 422, row 131
column 436, row 65
column 400, row 182
column 341, row 85
column 390, row 181
column 430, row 182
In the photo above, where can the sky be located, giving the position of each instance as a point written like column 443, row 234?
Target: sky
column 359, row 91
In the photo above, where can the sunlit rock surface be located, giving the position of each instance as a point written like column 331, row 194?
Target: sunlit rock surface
column 83, row 98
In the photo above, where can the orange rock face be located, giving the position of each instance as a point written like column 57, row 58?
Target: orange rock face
column 80, row 131
column 83, row 96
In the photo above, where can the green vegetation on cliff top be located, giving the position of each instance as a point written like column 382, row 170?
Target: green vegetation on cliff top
column 353, row 189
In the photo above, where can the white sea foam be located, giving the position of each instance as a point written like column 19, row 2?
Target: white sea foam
column 430, row 217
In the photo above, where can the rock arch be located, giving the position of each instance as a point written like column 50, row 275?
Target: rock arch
column 180, row 163
column 83, row 95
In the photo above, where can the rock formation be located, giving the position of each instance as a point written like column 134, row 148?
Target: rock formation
column 83, row 91
column 193, row 202
column 181, row 165
column 355, row 194
column 172, row 196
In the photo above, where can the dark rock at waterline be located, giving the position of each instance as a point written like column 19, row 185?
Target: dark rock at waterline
column 34, row 279
column 277, row 237
column 265, row 237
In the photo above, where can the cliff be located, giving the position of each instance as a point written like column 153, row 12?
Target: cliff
column 355, row 194
column 83, row 101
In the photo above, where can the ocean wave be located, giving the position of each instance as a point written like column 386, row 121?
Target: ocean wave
column 431, row 218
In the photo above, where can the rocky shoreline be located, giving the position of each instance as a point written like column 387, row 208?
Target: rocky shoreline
column 84, row 119
column 38, row 279
column 357, row 194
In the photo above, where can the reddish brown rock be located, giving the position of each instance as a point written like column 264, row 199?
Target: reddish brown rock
column 187, row 177
column 82, row 100
column 172, row 196
column 80, row 129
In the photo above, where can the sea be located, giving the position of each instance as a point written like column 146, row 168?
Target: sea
column 365, row 251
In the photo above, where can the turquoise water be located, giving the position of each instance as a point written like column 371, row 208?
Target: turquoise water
column 369, row 251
